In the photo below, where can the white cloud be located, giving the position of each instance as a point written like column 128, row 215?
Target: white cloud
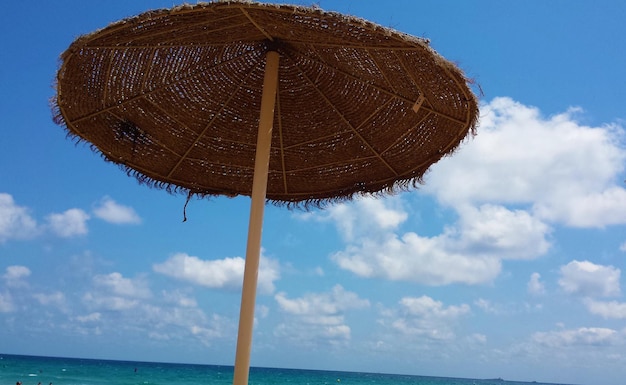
column 567, row 172
column 430, row 261
column 110, row 211
column 423, row 316
column 114, row 292
column 387, row 215
column 520, row 176
column 320, row 316
column 477, row 339
column 590, row 280
column 486, row 306
column 70, row 223
column 16, row 272
column 611, row 309
column 15, row 221
column 224, row 273
column 498, row 231
column 581, row 337
column 179, row 299
column 622, row 247
column 321, row 304
column 115, row 283
column 204, row 334
column 425, row 306
column 14, row 275
column 56, row 299
column 172, row 323
column 6, row 303
column 469, row 252
column 261, row 311
column 109, row 302
column 535, row 286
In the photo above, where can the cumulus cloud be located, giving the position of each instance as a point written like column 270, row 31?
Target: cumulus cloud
column 68, row 224
column 386, row 215
column 109, row 302
column 14, row 275
column 14, row 278
column 587, row 279
column 496, row 230
column 16, row 272
column 425, row 306
column 606, row 309
column 183, row 320
column 116, row 284
column 56, row 299
column 468, row 252
column 15, row 221
column 523, row 174
column 179, row 298
column 585, row 336
column 319, row 316
column 535, row 286
column 425, row 317
column 314, row 304
column 486, row 306
column 110, row 211
column 6, row 303
column 224, row 273
column 565, row 172
column 115, row 292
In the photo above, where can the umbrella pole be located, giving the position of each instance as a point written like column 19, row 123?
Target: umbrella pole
column 253, row 249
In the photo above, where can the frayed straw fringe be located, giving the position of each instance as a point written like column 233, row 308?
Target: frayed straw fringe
column 456, row 120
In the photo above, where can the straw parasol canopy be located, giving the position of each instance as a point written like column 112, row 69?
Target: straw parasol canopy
column 282, row 103
column 173, row 96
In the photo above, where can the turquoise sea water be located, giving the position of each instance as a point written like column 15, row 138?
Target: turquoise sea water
column 31, row 370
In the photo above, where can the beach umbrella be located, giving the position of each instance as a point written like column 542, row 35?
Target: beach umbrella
column 285, row 104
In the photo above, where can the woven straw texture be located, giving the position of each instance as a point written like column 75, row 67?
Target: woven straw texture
column 173, row 96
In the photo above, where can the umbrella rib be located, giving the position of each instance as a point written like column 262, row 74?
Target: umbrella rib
column 131, row 99
column 383, row 73
column 172, row 42
column 346, row 120
column 144, row 78
column 171, row 117
column 152, row 139
column 463, row 90
column 353, row 46
column 153, row 35
column 108, row 74
column 404, row 135
column 339, row 133
column 384, row 90
column 403, row 64
column 338, row 163
column 256, row 25
column 318, row 139
column 397, row 36
column 210, row 123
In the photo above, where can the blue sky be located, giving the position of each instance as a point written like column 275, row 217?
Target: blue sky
column 506, row 263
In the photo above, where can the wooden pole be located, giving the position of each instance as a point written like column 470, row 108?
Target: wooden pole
column 253, row 250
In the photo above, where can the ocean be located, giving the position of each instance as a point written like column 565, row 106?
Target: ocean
column 33, row 370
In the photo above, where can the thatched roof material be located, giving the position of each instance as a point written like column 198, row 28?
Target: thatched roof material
column 173, row 96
